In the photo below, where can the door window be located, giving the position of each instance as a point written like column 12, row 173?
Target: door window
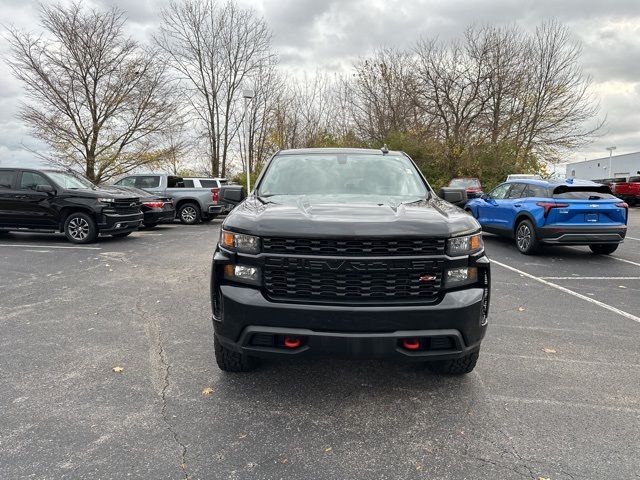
column 31, row 180
column 148, row 181
column 188, row 183
column 208, row 184
column 127, row 182
column 500, row 191
column 7, row 179
column 535, row 191
column 516, row 190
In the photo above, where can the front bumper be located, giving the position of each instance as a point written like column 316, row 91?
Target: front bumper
column 581, row 235
column 351, row 331
column 111, row 223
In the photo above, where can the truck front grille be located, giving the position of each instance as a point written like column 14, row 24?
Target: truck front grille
column 345, row 280
column 354, row 247
column 126, row 205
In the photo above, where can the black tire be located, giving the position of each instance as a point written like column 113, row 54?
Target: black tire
column 458, row 366
column 121, row 235
column 189, row 214
column 80, row 228
column 603, row 248
column 150, row 225
column 230, row 361
column 526, row 239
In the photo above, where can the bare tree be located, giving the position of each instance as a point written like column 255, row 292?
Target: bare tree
column 214, row 49
column 255, row 140
column 382, row 95
column 558, row 110
column 94, row 96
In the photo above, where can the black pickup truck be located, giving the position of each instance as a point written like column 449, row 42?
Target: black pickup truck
column 63, row 201
column 349, row 252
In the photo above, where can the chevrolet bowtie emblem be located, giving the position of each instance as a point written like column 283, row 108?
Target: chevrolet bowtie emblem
column 427, row 278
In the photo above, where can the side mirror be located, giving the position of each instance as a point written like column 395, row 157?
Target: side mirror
column 45, row 188
column 457, row 196
column 234, row 196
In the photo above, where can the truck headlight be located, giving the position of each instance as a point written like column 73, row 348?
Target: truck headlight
column 107, row 200
column 240, row 242
column 460, row 276
column 465, row 245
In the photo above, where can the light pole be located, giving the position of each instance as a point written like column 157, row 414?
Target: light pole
column 248, row 94
column 611, row 149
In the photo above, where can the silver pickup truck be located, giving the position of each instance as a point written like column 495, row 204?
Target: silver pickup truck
column 193, row 205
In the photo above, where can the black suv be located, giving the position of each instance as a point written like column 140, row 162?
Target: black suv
column 349, row 252
column 54, row 200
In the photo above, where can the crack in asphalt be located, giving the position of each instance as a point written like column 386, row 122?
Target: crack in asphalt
column 166, row 371
column 165, row 417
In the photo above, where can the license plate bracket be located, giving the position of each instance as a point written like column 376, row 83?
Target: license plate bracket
column 591, row 217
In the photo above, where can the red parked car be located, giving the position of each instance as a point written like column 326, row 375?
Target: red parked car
column 470, row 184
column 628, row 191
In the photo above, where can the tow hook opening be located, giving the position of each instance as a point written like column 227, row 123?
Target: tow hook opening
column 412, row 343
column 292, row 342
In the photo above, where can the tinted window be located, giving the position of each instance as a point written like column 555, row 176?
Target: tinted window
column 208, row 184
column 535, row 191
column 634, row 179
column 175, row 182
column 7, row 178
column 500, row 191
column 516, row 190
column 127, row 182
column 188, row 183
column 31, row 180
column 583, row 193
column 151, row 181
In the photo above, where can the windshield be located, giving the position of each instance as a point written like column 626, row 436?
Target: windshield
column 342, row 174
column 70, row 180
column 464, row 183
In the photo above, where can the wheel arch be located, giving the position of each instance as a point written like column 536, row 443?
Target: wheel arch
column 522, row 216
column 66, row 211
column 183, row 201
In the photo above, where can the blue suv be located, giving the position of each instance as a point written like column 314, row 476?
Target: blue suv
column 536, row 212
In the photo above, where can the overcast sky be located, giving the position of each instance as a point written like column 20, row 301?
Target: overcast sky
column 328, row 35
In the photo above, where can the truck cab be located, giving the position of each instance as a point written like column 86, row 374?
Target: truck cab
column 348, row 252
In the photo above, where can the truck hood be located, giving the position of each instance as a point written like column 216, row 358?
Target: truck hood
column 315, row 216
column 100, row 193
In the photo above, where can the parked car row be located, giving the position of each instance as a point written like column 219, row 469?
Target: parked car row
column 50, row 200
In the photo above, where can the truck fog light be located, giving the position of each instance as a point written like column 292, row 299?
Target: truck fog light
column 461, row 276
column 242, row 273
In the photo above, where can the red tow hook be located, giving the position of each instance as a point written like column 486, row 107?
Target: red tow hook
column 292, row 342
column 411, row 343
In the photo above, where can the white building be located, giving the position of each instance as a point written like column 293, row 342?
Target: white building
column 618, row 166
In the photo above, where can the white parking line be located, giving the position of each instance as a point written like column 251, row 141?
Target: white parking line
column 590, row 278
column 27, row 245
column 626, row 261
column 632, row 238
column 570, row 292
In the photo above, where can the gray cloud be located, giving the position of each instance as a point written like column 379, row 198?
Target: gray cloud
column 328, row 35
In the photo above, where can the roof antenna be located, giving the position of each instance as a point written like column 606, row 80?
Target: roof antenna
column 385, row 149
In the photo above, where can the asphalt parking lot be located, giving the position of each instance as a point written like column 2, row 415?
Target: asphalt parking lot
column 556, row 394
